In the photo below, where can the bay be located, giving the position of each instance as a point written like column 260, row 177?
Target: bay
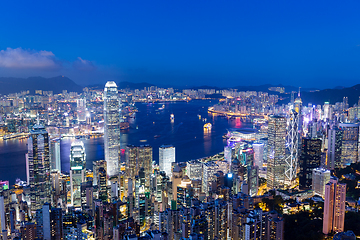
column 152, row 126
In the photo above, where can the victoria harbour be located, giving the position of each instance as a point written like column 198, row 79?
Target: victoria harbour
column 150, row 126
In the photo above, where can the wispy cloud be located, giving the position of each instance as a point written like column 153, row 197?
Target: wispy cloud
column 19, row 58
column 83, row 65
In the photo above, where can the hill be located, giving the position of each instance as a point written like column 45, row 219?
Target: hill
column 55, row 84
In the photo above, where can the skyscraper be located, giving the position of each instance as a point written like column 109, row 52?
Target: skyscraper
column 292, row 144
column 138, row 157
column 276, row 152
column 166, row 157
column 111, row 128
column 81, row 110
column 335, row 136
column 77, row 171
column 55, row 154
column 38, row 157
column 349, row 150
column 258, row 154
column 310, row 158
column 334, row 206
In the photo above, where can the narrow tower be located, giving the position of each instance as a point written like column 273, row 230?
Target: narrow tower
column 77, row 171
column 111, row 128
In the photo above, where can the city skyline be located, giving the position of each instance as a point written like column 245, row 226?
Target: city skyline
column 191, row 120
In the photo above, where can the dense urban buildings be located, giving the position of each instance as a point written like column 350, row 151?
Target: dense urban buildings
column 282, row 166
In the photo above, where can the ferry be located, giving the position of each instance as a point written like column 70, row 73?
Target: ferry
column 207, row 126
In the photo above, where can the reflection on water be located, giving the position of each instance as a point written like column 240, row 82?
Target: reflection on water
column 185, row 132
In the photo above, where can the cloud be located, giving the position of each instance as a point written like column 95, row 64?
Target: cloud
column 83, row 65
column 19, row 58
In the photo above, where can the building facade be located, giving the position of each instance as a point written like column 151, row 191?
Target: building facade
column 111, row 128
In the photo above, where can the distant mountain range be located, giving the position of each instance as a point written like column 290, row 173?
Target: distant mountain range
column 60, row 83
column 332, row 95
column 55, row 84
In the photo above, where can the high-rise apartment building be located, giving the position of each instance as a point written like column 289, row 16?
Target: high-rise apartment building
column 276, row 152
column 38, row 158
column 310, row 158
column 111, row 128
column 166, row 158
column 320, row 177
column 77, row 171
column 334, row 206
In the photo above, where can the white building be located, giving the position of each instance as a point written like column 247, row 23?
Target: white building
column 111, row 128
column 166, row 157
column 209, row 169
column 258, row 154
column 320, row 177
column 194, row 169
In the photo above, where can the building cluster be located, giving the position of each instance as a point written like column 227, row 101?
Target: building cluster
column 217, row 197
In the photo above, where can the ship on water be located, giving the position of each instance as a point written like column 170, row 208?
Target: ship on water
column 207, row 126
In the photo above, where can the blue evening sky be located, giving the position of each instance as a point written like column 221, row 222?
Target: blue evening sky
column 223, row 43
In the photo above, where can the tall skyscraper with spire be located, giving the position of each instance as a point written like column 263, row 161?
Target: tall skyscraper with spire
column 38, row 160
column 111, row 128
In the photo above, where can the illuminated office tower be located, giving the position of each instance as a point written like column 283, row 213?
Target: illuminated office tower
column 334, row 206
column 258, row 154
column 166, row 157
column 276, row 152
column 292, row 145
column 326, row 111
column 102, row 184
column 96, row 166
column 55, row 155
column 310, row 158
column 335, row 137
column 111, row 128
column 350, row 142
column 38, row 157
column 194, row 169
column 138, row 157
column 81, row 110
column 250, row 171
column 209, row 170
column 77, row 171
column 320, row 177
